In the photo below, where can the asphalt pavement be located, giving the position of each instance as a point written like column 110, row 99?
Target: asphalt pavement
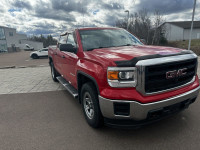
column 54, row 121
column 21, row 59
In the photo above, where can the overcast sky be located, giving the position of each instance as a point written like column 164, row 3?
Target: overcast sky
column 56, row 16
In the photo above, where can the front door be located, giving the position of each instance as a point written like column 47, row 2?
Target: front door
column 59, row 55
column 71, row 59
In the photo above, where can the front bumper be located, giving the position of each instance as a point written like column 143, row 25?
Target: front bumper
column 139, row 111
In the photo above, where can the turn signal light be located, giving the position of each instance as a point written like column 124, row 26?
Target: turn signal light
column 113, row 75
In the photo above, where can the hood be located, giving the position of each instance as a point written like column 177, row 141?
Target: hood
column 110, row 55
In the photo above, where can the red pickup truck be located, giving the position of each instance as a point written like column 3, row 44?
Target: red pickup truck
column 119, row 81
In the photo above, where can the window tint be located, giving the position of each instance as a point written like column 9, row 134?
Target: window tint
column 70, row 40
column 92, row 39
column 63, row 39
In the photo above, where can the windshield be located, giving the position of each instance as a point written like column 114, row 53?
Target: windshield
column 93, row 39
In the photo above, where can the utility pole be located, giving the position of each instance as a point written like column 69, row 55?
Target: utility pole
column 127, row 18
column 189, row 45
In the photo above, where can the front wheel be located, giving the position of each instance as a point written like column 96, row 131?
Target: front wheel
column 34, row 56
column 90, row 105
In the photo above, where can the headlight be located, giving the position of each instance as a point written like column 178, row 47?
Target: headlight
column 122, row 76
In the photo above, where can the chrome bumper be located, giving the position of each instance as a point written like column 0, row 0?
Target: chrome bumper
column 139, row 111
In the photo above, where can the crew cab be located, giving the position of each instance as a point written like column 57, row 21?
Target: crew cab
column 119, row 81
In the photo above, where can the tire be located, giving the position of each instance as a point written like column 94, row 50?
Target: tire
column 54, row 73
column 90, row 105
column 34, row 56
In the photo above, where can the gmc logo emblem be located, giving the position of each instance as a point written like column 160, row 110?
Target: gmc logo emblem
column 176, row 73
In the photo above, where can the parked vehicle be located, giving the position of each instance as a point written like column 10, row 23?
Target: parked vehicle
column 121, row 82
column 26, row 47
column 40, row 53
column 3, row 50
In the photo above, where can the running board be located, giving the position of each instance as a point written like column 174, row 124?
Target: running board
column 68, row 86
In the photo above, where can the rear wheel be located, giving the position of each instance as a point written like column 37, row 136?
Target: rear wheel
column 90, row 105
column 34, row 56
column 54, row 73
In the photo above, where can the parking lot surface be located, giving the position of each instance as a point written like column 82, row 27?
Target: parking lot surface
column 20, row 59
column 27, row 80
column 54, row 121
column 38, row 114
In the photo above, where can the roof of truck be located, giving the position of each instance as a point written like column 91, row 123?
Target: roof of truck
column 96, row 28
column 89, row 28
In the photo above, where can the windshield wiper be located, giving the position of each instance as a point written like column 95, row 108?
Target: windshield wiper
column 125, row 45
column 90, row 49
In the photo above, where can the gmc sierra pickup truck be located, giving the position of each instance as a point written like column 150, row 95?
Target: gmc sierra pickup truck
column 119, row 81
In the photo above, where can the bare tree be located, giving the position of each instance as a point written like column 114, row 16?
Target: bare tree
column 144, row 26
column 158, row 29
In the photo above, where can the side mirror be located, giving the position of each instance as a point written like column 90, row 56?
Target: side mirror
column 67, row 48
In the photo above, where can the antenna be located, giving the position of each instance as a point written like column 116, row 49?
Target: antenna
column 83, row 14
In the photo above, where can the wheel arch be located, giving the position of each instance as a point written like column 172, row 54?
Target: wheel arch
column 82, row 78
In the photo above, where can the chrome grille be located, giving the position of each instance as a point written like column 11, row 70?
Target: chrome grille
column 152, row 73
column 155, row 76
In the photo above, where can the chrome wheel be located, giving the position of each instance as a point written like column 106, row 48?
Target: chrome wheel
column 88, row 105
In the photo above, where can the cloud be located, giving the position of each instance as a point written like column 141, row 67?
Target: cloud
column 113, row 6
column 41, row 31
column 166, row 6
column 56, row 16
column 22, row 4
column 69, row 5
column 14, row 10
column 48, row 11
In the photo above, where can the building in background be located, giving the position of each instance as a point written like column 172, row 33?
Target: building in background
column 34, row 44
column 176, row 31
column 11, row 41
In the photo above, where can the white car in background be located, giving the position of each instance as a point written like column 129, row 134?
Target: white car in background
column 40, row 53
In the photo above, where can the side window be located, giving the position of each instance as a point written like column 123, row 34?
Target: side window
column 63, row 39
column 70, row 40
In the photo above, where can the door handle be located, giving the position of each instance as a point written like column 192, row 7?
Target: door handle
column 63, row 56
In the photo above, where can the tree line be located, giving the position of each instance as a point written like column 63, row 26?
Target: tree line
column 145, row 26
column 48, row 40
